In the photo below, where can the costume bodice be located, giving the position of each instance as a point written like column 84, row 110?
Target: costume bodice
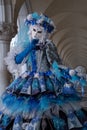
column 38, row 59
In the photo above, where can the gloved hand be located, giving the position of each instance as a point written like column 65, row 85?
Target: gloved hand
column 19, row 58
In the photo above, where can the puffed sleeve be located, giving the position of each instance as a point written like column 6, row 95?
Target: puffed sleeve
column 51, row 52
column 10, row 60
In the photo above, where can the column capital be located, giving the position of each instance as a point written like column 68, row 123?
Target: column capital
column 7, row 31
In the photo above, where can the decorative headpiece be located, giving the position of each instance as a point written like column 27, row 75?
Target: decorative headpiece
column 42, row 20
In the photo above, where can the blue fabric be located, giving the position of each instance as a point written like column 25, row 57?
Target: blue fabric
column 59, row 72
column 68, row 90
column 33, row 61
column 58, row 123
column 5, row 120
column 19, row 58
column 81, row 80
column 55, row 69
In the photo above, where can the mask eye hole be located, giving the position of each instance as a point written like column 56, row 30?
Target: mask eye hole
column 34, row 29
column 39, row 31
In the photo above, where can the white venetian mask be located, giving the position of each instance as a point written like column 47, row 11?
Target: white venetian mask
column 38, row 32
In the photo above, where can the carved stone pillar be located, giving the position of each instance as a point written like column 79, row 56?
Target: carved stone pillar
column 6, row 34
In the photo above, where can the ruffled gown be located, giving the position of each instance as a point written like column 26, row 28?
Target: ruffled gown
column 42, row 100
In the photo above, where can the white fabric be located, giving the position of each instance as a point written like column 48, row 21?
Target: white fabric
column 10, row 60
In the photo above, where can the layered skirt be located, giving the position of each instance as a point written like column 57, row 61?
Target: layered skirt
column 39, row 102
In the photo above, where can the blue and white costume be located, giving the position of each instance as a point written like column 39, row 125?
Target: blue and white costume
column 45, row 96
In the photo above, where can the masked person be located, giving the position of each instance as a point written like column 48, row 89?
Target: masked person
column 43, row 96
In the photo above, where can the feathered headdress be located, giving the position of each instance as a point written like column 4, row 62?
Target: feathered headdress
column 42, row 20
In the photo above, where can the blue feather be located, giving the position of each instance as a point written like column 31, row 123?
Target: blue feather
column 44, row 103
column 19, row 58
column 55, row 70
column 83, row 82
column 8, row 99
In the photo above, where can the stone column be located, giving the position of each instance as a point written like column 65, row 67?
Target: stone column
column 6, row 32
